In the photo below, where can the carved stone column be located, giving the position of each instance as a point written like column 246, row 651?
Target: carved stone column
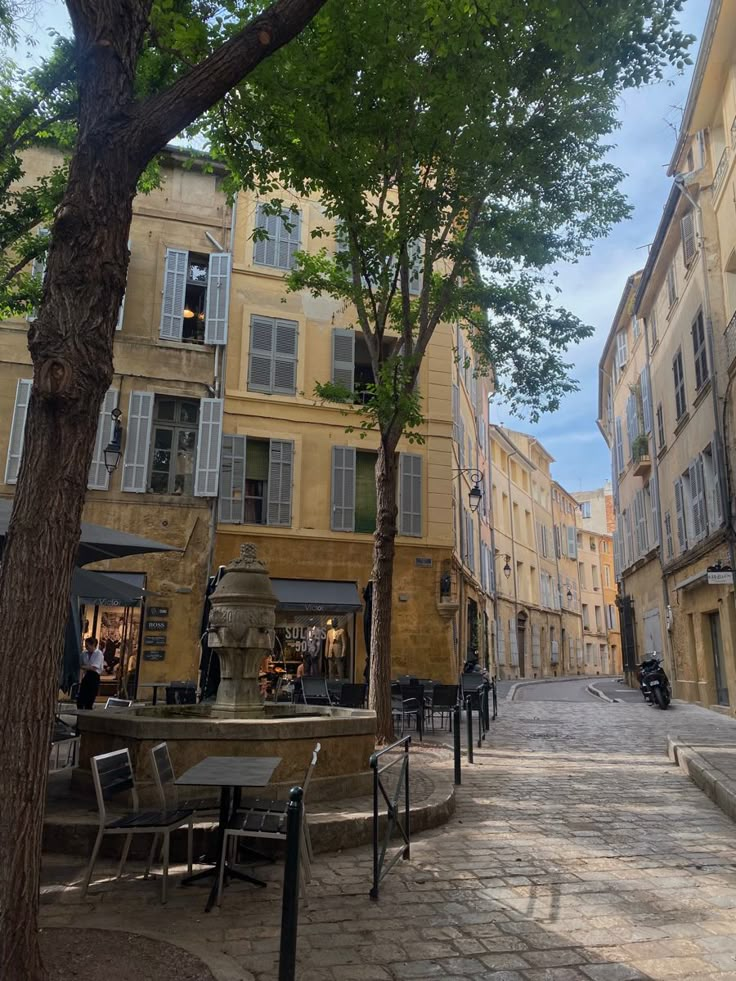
column 241, row 630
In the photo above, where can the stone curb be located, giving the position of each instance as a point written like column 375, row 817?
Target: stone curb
column 538, row 681
column 712, row 781
column 601, row 694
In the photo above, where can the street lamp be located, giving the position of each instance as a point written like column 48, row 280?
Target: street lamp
column 475, row 494
column 507, row 567
column 569, row 597
column 113, row 450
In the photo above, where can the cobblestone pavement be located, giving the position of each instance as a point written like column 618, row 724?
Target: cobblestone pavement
column 578, row 851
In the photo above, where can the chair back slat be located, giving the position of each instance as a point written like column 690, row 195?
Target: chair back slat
column 163, row 774
column 112, row 774
column 444, row 696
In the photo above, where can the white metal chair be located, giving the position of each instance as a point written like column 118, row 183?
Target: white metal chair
column 262, row 818
column 112, row 774
column 118, row 703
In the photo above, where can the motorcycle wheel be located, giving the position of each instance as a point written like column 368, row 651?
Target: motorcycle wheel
column 661, row 698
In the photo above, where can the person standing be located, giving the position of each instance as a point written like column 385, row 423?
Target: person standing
column 92, row 662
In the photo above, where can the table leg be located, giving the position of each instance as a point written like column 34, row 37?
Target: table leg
column 228, row 798
column 155, row 694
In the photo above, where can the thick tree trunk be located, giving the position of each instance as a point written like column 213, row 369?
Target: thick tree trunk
column 379, row 696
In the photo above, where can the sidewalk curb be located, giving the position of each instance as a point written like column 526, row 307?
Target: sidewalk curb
column 713, row 782
column 591, row 688
column 509, row 697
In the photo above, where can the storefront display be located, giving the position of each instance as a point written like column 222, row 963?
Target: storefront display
column 116, row 623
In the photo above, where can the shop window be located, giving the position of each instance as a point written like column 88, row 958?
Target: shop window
column 196, row 297
column 174, row 445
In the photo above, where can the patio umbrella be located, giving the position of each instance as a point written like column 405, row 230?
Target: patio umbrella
column 97, row 541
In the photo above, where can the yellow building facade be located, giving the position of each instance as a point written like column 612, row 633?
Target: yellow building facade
column 164, row 382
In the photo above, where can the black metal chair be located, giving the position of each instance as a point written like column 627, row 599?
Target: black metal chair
column 444, row 700
column 112, row 774
column 409, row 704
column 315, row 691
column 352, row 696
column 165, row 780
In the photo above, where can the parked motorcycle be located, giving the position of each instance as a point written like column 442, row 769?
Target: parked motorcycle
column 653, row 681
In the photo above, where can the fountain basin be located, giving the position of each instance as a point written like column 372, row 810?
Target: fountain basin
column 193, row 732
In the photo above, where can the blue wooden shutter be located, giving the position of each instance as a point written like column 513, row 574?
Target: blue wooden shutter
column 99, row 478
column 284, row 357
column 343, row 357
column 209, row 444
column 173, row 294
column 232, row 480
column 343, row 488
column 121, row 311
column 137, row 442
column 280, row 468
column 410, row 494
column 18, row 430
column 218, row 298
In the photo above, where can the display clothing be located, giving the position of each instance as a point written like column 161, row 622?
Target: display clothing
column 336, row 651
column 313, row 652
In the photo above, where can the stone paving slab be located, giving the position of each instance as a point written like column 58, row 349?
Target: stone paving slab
column 577, row 853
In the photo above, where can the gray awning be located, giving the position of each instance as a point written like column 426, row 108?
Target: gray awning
column 317, row 595
column 108, row 588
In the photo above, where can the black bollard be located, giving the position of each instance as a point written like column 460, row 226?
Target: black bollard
column 486, row 707
column 290, row 901
column 456, row 743
column 495, row 701
column 469, row 725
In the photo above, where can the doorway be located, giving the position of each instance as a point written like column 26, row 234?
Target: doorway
column 521, row 642
column 717, row 648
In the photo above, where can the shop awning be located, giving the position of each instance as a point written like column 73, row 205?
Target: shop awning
column 317, row 595
column 108, row 588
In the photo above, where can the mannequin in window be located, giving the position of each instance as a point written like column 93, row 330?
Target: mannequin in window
column 336, row 650
column 313, row 652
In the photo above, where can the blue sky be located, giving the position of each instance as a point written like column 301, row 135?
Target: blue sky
column 592, row 288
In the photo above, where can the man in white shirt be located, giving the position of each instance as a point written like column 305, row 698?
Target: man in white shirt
column 92, row 663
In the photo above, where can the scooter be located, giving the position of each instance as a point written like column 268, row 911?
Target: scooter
column 653, row 681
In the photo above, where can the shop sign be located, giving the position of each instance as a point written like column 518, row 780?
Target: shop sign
column 717, row 578
column 154, row 655
column 423, row 563
column 155, row 641
column 303, row 637
column 156, row 625
column 158, row 611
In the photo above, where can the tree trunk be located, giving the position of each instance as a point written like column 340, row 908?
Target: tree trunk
column 379, row 695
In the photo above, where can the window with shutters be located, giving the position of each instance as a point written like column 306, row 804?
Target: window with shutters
column 678, row 373
column 712, row 486
column 687, row 231
column 671, row 286
column 620, row 464
column 174, row 445
column 277, row 238
column 669, row 546
column 598, row 619
column 635, row 327
column 700, row 355
column 682, row 528
column 256, row 479
column 196, row 297
column 17, row 430
column 99, row 478
column 661, row 438
column 272, row 358
column 364, row 378
column 652, row 324
column 622, row 349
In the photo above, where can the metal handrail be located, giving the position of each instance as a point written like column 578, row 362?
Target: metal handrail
column 381, row 867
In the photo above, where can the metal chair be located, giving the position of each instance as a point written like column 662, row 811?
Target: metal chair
column 112, row 774
column 315, row 691
column 352, row 696
column 263, row 818
column 118, row 703
column 444, row 700
column 410, row 704
column 165, row 780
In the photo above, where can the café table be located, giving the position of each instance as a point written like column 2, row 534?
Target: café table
column 155, row 685
column 230, row 774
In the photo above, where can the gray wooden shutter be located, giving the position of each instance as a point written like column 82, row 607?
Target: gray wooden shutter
column 680, row 511
column 343, row 357
column 410, row 494
column 172, row 301
column 290, row 241
column 99, row 478
column 284, row 357
column 654, row 502
column 121, row 311
column 572, row 542
column 280, row 467
column 264, row 251
column 619, row 446
column 646, row 400
column 415, row 254
column 218, row 298
column 232, row 480
column 209, row 444
column 260, row 354
column 702, row 509
column 343, row 488
column 137, row 442
column 714, row 504
column 687, row 230
column 693, row 502
column 18, row 429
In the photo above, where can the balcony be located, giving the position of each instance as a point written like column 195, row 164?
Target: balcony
column 720, row 173
column 730, row 338
column 642, row 460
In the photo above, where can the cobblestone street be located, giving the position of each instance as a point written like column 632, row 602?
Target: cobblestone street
column 577, row 851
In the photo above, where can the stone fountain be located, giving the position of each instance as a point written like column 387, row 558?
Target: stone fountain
column 239, row 723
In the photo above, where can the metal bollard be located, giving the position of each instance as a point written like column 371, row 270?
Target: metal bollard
column 456, row 743
column 290, row 901
column 486, row 707
column 469, row 725
column 495, row 701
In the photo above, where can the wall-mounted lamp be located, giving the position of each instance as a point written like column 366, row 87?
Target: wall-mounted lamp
column 569, row 597
column 507, row 567
column 113, row 450
column 475, row 494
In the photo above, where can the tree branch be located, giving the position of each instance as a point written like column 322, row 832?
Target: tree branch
column 163, row 116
